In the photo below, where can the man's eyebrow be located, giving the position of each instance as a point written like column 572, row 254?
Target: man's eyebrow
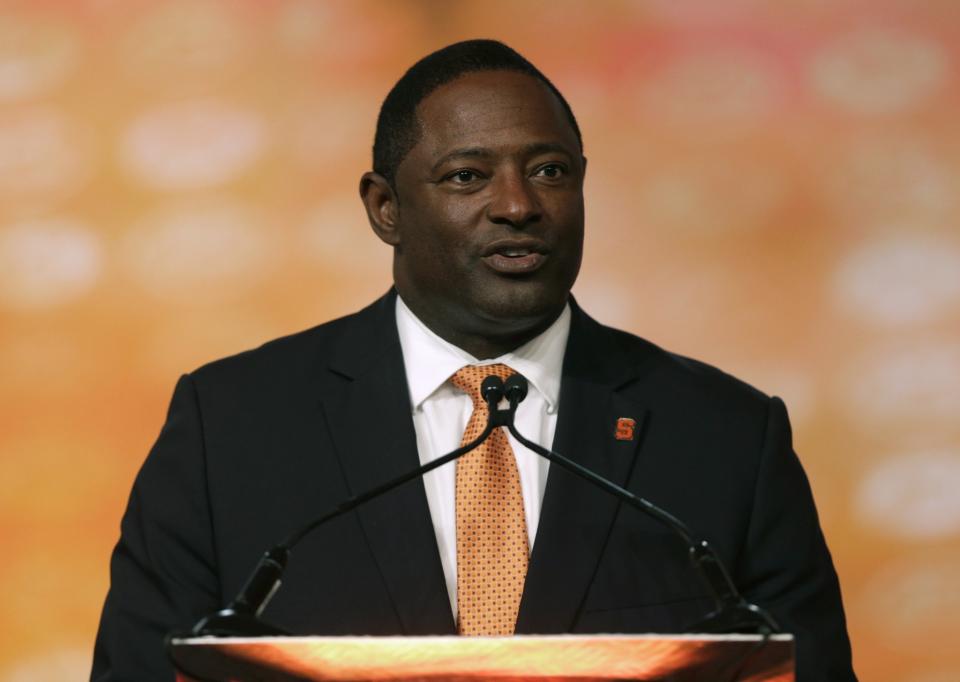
column 464, row 151
column 480, row 152
column 546, row 148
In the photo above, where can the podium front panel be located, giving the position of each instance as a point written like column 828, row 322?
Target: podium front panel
column 677, row 658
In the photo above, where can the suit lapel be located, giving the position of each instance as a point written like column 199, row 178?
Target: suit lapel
column 576, row 518
column 372, row 429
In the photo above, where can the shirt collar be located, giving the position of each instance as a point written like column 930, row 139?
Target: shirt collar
column 429, row 360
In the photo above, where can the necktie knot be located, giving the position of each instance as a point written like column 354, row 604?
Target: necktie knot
column 470, row 377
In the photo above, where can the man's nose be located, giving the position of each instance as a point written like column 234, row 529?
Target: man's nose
column 514, row 200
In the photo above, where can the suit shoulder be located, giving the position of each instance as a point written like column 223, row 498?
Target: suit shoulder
column 683, row 375
column 287, row 357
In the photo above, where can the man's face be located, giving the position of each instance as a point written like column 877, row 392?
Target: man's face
column 490, row 207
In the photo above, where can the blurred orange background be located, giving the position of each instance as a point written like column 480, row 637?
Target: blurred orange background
column 774, row 188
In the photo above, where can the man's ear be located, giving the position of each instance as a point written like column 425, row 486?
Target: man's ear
column 381, row 203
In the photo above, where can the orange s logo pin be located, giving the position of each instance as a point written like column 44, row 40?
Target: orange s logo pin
column 625, row 428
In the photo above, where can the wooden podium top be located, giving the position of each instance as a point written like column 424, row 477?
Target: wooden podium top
column 678, row 658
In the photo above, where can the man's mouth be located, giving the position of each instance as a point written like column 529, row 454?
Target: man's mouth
column 515, row 256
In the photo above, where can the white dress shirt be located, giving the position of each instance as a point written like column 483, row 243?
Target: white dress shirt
column 441, row 411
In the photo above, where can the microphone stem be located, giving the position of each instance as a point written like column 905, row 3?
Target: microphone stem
column 353, row 502
column 612, row 488
column 241, row 616
column 732, row 609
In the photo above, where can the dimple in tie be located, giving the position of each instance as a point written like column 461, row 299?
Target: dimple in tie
column 492, row 547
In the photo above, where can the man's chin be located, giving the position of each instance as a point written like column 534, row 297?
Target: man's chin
column 518, row 308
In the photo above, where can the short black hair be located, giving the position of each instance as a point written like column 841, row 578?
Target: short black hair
column 398, row 129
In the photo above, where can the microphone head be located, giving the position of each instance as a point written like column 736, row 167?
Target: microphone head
column 491, row 389
column 515, row 388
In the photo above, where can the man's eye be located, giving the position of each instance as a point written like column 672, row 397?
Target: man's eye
column 462, row 177
column 551, row 170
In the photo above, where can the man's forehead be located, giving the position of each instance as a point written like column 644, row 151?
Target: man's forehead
column 489, row 107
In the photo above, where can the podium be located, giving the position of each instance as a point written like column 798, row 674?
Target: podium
column 566, row 658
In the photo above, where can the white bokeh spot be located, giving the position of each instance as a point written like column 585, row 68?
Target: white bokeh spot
column 714, row 87
column 34, row 56
column 919, row 381
column 703, row 195
column 302, row 26
column 901, row 280
column 883, row 178
column 192, row 144
column 41, row 152
column 912, row 495
column 339, row 31
column 181, row 39
column 198, row 252
column 877, row 71
column 47, row 262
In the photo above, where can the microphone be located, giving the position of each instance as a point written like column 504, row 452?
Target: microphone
column 515, row 390
column 241, row 617
column 733, row 613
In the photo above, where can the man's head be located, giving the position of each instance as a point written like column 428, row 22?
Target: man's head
column 478, row 186
column 399, row 129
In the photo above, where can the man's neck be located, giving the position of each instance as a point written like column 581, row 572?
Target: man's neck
column 496, row 339
column 484, row 348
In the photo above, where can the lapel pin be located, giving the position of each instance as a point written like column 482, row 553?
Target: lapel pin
column 625, row 428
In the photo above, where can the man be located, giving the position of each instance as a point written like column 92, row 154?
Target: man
column 477, row 187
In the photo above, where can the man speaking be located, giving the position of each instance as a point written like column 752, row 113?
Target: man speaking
column 477, row 185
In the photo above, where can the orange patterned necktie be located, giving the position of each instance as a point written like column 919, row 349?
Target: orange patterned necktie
column 492, row 548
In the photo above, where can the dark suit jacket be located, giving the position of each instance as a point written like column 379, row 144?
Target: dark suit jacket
column 257, row 444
